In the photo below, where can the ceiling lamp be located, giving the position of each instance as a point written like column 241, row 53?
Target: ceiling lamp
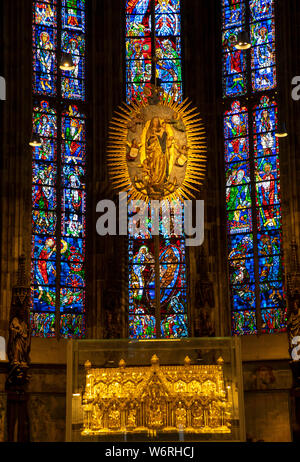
column 243, row 41
column 66, row 63
column 35, row 140
column 281, row 131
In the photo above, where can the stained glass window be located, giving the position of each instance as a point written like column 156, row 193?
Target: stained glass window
column 253, row 175
column 234, row 61
column 170, row 252
column 153, row 35
column 59, row 171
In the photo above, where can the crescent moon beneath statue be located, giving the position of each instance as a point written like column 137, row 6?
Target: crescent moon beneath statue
column 157, row 151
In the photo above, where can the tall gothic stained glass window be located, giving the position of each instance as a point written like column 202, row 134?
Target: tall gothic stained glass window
column 59, row 170
column 153, row 39
column 252, row 169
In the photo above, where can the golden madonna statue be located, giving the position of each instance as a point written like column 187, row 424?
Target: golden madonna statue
column 156, row 149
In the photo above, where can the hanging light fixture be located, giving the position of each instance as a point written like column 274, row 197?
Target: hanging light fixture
column 35, row 140
column 66, row 63
column 281, row 131
column 243, row 41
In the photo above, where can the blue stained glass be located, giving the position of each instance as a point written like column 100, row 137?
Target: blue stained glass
column 75, row 4
column 142, row 327
column 43, row 198
column 233, row 175
column 233, row 13
column 271, row 295
column 44, row 63
column 262, row 32
column 43, row 222
column 174, row 326
column 72, row 88
column 139, row 277
column 235, row 84
column 269, row 243
column 172, row 275
column 44, row 299
column 44, row 177
column 238, row 196
column 45, row 13
column 73, row 43
column 236, row 121
column 173, row 300
column 169, row 70
column 135, row 92
column 72, row 274
column 265, row 119
column 42, row 325
column 274, row 320
column 47, row 151
column 138, row 308
column 243, row 297
column 73, row 176
column 138, row 25
column 73, row 225
column 73, row 129
column 72, row 326
column 73, row 152
column 244, row 323
column 44, row 37
column 266, row 144
column 169, row 48
column 264, row 78
column 270, row 268
column 241, row 271
column 72, row 300
column 240, row 246
column 172, row 89
column 138, row 7
column 263, row 56
column 44, row 272
column 73, row 201
column 167, row 6
column 229, row 38
column 267, row 168
column 234, row 64
column 239, row 221
column 172, row 251
column 236, row 150
column 138, row 49
column 72, row 248
column 43, row 247
column 138, row 71
column 167, row 24
column 73, row 19
column 44, row 173
column 44, row 84
column 269, row 217
column 44, row 120
column 267, row 196
column 260, row 9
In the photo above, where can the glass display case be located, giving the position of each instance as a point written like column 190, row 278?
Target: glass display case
column 155, row 390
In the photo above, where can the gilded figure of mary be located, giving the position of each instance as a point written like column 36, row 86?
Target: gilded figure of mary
column 157, row 154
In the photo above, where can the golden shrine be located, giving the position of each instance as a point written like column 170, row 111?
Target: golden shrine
column 152, row 399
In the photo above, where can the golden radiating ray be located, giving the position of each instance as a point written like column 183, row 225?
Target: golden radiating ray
column 196, row 143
